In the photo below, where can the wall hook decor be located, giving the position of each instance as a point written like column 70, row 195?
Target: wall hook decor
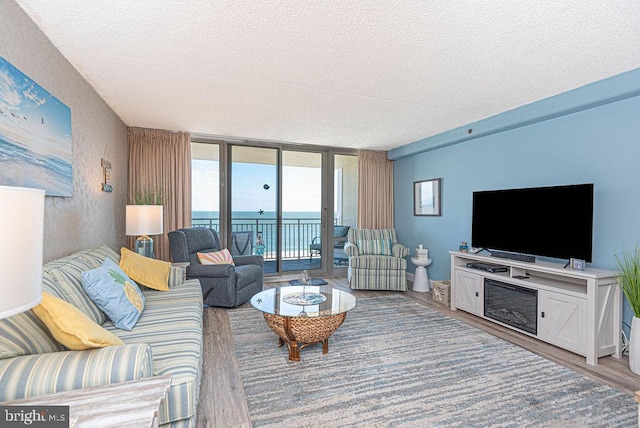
column 106, row 186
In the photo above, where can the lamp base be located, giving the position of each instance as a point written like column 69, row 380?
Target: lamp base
column 144, row 246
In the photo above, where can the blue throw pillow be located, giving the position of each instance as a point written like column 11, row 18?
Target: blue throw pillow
column 115, row 293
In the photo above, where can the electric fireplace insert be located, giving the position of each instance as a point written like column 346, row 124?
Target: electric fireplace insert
column 512, row 305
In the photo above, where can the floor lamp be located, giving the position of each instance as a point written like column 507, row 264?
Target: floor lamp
column 142, row 221
column 22, row 230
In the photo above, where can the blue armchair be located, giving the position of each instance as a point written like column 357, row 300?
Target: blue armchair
column 222, row 285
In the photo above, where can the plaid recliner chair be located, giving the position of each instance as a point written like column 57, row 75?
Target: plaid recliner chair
column 376, row 260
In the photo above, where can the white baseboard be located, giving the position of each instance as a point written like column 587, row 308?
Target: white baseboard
column 410, row 276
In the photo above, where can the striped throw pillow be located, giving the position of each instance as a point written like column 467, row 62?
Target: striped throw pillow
column 375, row 247
column 222, row 257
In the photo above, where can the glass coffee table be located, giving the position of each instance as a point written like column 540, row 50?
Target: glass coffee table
column 303, row 316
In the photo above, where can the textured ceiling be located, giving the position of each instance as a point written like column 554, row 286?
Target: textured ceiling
column 359, row 74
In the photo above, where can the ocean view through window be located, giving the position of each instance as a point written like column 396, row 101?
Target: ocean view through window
column 253, row 200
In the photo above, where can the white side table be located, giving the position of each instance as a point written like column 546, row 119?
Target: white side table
column 420, row 278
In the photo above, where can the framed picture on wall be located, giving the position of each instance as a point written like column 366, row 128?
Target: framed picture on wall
column 35, row 135
column 427, row 197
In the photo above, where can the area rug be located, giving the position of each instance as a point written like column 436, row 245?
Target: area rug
column 314, row 281
column 395, row 363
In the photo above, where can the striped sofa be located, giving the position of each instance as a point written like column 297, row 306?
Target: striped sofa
column 167, row 339
column 371, row 265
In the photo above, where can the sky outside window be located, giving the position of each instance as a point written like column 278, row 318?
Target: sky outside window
column 301, row 191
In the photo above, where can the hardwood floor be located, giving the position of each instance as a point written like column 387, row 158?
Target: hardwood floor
column 223, row 402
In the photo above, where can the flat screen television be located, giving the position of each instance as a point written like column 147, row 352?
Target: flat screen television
column 554, row 222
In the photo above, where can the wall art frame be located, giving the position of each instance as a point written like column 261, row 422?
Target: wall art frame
column 35, row 135
column 427, row 197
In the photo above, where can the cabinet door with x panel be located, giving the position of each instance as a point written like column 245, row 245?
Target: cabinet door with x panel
column 561, row 321
column 469, row 292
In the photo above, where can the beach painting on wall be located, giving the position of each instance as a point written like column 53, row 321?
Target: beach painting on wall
column 35, row 135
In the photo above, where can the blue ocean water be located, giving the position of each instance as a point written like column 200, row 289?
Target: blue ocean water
column 298, row 228
column 256, row 214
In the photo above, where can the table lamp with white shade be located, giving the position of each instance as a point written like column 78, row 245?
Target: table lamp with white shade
column 142, row 221
column 21, row 245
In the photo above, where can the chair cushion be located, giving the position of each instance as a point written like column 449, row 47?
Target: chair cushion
column 71, row 327
column 355, row 234
column 340, row 231
column 201, row 239
column 378, row 263
column 115, row 293
column 376, row 247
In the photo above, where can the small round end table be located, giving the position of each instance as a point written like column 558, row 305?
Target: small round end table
column 420, row 278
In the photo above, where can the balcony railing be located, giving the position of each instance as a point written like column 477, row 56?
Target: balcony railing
column 297, row 233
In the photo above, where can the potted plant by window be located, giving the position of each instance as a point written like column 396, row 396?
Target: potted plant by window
column 150, row 197
column 629, row 281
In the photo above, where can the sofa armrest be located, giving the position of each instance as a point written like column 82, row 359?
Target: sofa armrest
column 351, row 249
column 248, row 260
column 40, row 374
column 177, row 274
column 210, row 271
column 399, row 250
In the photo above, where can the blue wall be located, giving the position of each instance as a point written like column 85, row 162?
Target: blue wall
column 597, row 143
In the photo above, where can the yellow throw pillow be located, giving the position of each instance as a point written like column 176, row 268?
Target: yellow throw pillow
column 151, row 273
column 71, row 327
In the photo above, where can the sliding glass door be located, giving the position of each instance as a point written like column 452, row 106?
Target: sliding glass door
column 205, row 185
column 276, row 201
column 293, row 206
column 254, row 203
column 345, row 205
column 302, row 211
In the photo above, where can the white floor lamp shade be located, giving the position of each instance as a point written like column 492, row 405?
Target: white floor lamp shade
column 21, row 232
column 142, row 221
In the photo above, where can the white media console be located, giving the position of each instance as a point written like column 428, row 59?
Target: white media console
column 580, row 311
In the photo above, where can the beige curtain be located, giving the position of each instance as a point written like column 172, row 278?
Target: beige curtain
column 161, row 160
column 375, row 190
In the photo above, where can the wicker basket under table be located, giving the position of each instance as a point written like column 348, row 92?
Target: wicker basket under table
column 298, row 332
